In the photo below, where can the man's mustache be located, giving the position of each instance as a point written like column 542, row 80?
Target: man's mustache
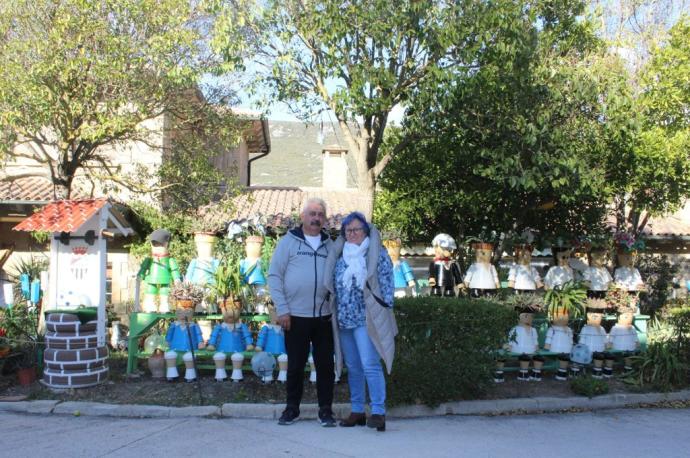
column 315, row 222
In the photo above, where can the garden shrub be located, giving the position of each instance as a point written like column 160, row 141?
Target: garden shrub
column 589, row 386
column 444, row 351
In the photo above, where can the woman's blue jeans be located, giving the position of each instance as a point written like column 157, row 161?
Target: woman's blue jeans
column 363, row 365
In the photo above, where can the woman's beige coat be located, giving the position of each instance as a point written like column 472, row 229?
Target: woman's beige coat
column 381, row 324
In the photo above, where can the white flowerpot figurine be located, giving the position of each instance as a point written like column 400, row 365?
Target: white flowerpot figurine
column 523, row 277
column 561, row 272
column 444, row 273
column 482, row 278
column 559, row 339
column 594, row 336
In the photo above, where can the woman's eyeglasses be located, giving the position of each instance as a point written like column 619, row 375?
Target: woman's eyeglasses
column 354, row 230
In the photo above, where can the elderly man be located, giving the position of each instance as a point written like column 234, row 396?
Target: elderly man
column 295, row 279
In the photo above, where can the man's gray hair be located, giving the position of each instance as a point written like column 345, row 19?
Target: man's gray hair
column 314, row 200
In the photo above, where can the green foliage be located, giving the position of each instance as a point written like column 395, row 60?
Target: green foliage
column 228, row 281
column 79, row 78
column 444, row 349
column 658, row 273
column 568, row 297
column 589, row 386
column 660, row 367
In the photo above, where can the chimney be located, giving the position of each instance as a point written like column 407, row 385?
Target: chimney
column 334, row 167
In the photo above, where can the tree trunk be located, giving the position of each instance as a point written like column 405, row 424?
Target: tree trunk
column 62, row 188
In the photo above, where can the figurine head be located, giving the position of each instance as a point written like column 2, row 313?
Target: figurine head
column 444, row 245
column 526, row 317
column 626, row 318
column 483, row 252
column 204, row 245
column 594, row 316
column 626, row 258
column 598, row 258
column 159, row 241
column 252, row 246
column 231, row 315
column 561, row 255
column 184, row 314
column 523, row 254
column 559, row 317
column 393, row 247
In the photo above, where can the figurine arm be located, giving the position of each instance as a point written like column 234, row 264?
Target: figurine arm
column 213, row 340
column 144, row 268
column 189, row 275
column 198, row 338
column 170, row 335
column 175, row 270
column 536, row 277
column 247, row 337
column 494, row 273
column 468, row 276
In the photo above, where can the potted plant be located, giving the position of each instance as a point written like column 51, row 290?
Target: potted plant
column 565, row 300
column 27, row 363
column 526, row 301
column 227, row 289
column 187, row 294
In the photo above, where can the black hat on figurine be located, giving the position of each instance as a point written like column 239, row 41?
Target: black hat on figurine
column 161, row 236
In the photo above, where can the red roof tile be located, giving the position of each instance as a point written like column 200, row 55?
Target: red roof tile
column 32, row 189
column 282, row 205
column 62, row 215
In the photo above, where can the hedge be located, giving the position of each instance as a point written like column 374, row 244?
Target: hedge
column 444, row 350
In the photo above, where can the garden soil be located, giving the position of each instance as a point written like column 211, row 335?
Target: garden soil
column 142, row 389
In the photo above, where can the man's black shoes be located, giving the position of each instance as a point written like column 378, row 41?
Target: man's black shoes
column 326, row 418
column 288, row 417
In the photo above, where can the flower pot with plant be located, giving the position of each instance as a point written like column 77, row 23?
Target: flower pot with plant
column 562, row 303
column 187, row 294
column 523, row 338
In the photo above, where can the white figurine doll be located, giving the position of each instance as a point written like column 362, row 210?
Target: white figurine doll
column 524, row 341
column 230, row 337
column 623, row 337
column 183, row 335
column 626, row 276
column 403, row 278
column 523, row 277
column 561, row 272
column 559, row 339
column 482, row 278
column 271, row 339
column 597, row 276
column 444, row 272
column 593, row 334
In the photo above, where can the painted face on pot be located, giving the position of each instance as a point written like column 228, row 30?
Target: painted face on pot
column 524, row 256
column 560, row 320
column 159, row 249
column 184, row 314
column 252, row 248
column 483, row 255
column 598, row 258
column 393, row 252
column 526, row 318
column 625, row 319
column 562, row 258
column 594, row 318
column 626, row 259
column 441, row 252
column 231, row 316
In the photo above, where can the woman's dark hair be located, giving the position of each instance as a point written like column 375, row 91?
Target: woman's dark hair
column 350, row 218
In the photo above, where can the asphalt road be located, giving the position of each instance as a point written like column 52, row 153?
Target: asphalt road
column 628, row 433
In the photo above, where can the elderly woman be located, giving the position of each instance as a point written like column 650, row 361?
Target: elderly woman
column 359, row 275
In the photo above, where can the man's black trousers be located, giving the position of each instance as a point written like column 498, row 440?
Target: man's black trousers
column 319, row 333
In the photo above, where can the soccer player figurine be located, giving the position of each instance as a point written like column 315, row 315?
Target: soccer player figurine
column 178, row 338
column 523, row 340
column 252, row 269
column 444, row 273
column 597, row 276
column 482, row 278
column 403, row 278
column 158, row 271
column 234, row 337
column 561, row 272
column 523, row 277
column 623, row 337
column 559, row 339
column 271, row 339
column 594, row 336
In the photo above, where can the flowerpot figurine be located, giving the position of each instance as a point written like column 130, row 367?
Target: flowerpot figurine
column 524, row 341
column 252, row 271
column 597, row 276
column 201, row 270
column 271, row 339
column 183, row 335
column 482, row 278
column 403, row 278
column 522, row 276
column 444, row 272
column 559, row 339
column 561, row 272
column 159, row 272
column 593, row 334
column 626, row 276
column 232, row 337
column 623, row 337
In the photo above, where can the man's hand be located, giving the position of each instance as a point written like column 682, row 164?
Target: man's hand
column 284, row 321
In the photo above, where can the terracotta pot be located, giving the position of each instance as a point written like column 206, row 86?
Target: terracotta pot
column 185, row 303
column 26, row 376
column 156, row 363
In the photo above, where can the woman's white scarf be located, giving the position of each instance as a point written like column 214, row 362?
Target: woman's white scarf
column 355, row 258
